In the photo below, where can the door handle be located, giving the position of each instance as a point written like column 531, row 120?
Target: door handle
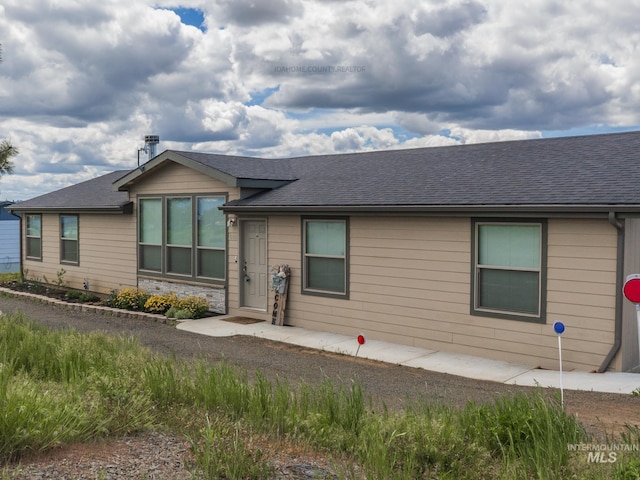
column 247, row 278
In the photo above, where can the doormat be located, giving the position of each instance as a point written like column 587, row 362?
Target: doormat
column 242, row 320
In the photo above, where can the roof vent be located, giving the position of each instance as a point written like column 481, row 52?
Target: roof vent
column 150, row 146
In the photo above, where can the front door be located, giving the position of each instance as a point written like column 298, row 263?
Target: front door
column 253, row 271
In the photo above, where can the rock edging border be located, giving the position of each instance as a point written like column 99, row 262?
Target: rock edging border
column 90, row 308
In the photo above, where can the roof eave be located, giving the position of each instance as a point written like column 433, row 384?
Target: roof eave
column 126, row 208
column 439, row 210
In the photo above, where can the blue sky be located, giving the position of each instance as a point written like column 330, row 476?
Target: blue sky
column 81, row 83
column 191, row 16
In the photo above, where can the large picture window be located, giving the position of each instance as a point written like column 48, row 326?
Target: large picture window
column 509, row 265
column 182, row 236
column 69, row 247
column 33, row 237
column 325, row 256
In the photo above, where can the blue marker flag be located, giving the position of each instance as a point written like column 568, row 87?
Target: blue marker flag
column 558, row 327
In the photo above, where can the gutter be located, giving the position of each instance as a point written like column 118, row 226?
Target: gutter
column 619, row 282
column 586, row 211
column 125, row 208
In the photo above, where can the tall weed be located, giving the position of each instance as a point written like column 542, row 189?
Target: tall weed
column 168, row 383
column 223, row 388
column 529, row 432
column 220, row 451
column 59, row 387
column 35, row 416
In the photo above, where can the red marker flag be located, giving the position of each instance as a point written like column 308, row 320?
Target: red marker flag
column 361, row 341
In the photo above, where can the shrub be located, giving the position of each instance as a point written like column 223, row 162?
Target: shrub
column 177, row 313
column 169, row 304
column 128, row 299
column 196, row 306
column 74, row 294
column 160, row 303
column 183, row 314
column 88, row 297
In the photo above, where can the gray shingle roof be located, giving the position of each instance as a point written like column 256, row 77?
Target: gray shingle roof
column 597, row 170
column 96, row 194
column 244, row 167
column 593, row 173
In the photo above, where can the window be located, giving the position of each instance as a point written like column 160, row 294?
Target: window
column 509, row 267
column 150, row 234
column 34, row 237
column 69, row 239
column 179, row 235
column 182, row 236
column 212, row 239
column 325, row 257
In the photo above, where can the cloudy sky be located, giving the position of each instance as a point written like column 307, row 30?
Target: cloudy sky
column 81, row 82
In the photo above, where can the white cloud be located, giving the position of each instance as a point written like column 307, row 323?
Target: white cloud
column 82, row 82
column 248, row 13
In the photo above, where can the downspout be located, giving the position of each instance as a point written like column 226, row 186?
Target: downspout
column 20, row 249
column 619, row 282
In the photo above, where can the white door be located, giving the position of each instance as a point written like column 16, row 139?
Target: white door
column 253, row 264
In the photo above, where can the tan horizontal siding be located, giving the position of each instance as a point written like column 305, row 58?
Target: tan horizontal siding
column 232, row 266
column 392, row 255
column 549, row 340
column 404, row 266
column 410, row 283
column 407, row 246
column 566, row 262
column 559, row 309
column 173, row 178
column 581, row 287
column 107, row 251
column 574, row 275
column 587, row 299
column 568, row 285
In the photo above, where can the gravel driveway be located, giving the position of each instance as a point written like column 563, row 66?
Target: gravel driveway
column 391, row 384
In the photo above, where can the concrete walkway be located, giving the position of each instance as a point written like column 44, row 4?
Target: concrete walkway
column 437, row 361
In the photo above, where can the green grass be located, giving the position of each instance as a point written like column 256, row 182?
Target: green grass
column 9, row 277
column 61, row 387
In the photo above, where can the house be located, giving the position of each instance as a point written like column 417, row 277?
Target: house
column 474, row 249
column 9, row 240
